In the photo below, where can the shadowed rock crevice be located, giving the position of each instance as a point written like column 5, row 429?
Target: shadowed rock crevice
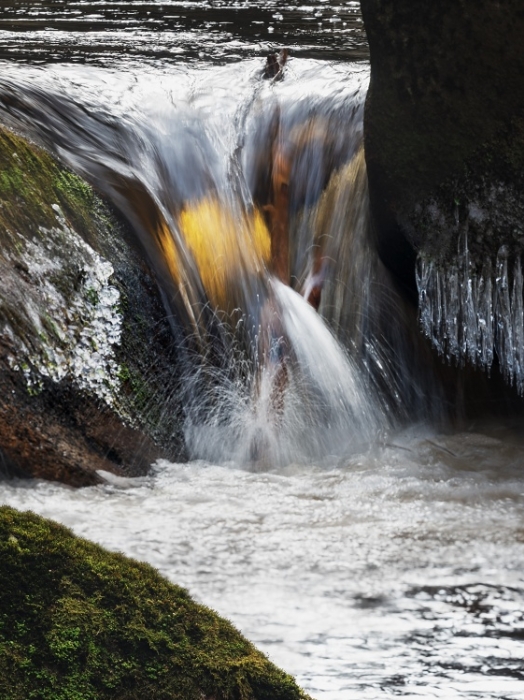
column 444, row 124
column 444, row 139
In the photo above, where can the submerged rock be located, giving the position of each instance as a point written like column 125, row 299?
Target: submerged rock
column 444, row 138
column 78, row 621
column 88, row 363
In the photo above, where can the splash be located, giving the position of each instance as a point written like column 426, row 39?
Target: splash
column 249, row 198
column 306, row 399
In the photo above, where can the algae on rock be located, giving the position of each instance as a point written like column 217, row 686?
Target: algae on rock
column 80, row 623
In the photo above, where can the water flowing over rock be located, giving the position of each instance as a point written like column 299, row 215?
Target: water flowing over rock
column 246, row 212
column 445, row 154
column 85, row 374
column 234, row 185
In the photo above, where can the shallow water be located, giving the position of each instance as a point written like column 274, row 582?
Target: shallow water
column 106, row 32
column 399, row 571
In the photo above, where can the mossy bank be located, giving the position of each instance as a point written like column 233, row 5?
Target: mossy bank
column 88, row 364
column 80, row 623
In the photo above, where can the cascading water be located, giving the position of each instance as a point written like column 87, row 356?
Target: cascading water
column 390, row 569
column 238, row 196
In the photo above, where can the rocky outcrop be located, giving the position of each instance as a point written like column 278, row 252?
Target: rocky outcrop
column 444, row 139
column 88, row 364
column 444, row 121
column 77, row 621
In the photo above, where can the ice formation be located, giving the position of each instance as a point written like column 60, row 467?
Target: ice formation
column 475, row 313
column 75, row 314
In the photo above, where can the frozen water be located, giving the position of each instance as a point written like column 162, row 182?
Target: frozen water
column 472, row 315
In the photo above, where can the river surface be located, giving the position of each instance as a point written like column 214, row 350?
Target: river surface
column 393, row 568
column 138, row 31
column 396, row 572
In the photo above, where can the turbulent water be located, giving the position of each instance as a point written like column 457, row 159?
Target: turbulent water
column 398, row 572
column 366, row 558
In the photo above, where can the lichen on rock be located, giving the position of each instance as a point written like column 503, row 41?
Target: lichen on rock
column 88, row 363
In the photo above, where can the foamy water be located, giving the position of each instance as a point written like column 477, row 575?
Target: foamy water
column 399, row 571
column 396, row 571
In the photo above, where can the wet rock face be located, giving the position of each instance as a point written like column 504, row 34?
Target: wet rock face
column 444, row 139
column 444, row 126
column 88, row 375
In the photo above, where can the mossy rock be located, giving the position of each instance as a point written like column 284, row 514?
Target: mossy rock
column 80, row 623
column 89, row 370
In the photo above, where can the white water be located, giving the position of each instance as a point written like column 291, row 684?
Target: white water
column 328, row 406
column 397, row 572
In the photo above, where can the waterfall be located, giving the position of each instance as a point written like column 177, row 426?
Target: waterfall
column 249, row 198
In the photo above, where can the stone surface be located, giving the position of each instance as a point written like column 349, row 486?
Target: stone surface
column 88, row 364
column 444, row 128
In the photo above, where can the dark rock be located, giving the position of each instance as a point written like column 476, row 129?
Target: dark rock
column 444, row 128
column 275, row 64
column 444, row 141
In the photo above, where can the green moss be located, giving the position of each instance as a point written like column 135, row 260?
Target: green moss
column 123, row 373
column 31, row 182
column 80, row 623
column 92, row 296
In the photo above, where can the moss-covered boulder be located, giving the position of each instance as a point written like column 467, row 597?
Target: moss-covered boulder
column 80, row 623
column 88, row 364
column 444, row 139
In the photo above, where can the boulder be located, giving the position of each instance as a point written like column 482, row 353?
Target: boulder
column 88, row 363
column 444, row 122
column 444, row 140
column 77, row 621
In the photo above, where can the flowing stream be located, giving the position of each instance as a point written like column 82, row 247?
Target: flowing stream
column 323, row 510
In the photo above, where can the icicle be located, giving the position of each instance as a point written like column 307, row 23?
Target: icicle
column 451, row 296
column 518, row 327
column 470, row 329
column 485, row 318
column 470, row 316
column 503, row 334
